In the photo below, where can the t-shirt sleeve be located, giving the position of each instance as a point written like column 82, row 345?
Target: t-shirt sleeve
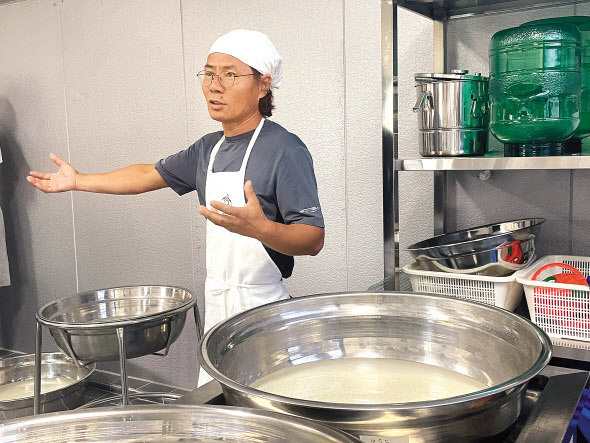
column 179, row 171
column 296, row 189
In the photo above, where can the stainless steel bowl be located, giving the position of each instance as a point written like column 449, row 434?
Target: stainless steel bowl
column 505, row 247
column 15, row 369
column 170, row 423
column 494, row 346
column 86, row 324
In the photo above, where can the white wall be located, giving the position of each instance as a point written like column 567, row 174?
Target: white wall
column 109, row 83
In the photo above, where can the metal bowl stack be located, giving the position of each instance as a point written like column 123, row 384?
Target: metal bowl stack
column 496, row 249
column 53, row 365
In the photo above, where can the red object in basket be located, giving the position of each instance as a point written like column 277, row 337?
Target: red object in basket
column 574, row 277
column 514, row 253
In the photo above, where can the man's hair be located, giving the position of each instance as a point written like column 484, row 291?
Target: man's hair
column 265, row 104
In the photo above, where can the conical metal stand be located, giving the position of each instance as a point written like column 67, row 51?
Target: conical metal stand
column 122, row 359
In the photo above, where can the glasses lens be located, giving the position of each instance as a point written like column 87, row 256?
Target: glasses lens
column 205, row 78
column 227, row 79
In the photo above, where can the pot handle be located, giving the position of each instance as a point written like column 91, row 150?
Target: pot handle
column 426, row 98
column 474, row 108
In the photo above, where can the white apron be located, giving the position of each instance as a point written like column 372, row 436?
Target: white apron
column 4, row 270
column 240, row 273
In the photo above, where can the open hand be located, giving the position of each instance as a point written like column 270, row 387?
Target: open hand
column 248, row 220
column 60, row 181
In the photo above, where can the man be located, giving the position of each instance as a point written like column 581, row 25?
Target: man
column 257, row 177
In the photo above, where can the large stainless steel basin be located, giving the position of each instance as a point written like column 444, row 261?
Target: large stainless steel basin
column 16, row 369
column 489, row 344
column 169, row 423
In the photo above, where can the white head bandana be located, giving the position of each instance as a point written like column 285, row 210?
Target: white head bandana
column 253, row 48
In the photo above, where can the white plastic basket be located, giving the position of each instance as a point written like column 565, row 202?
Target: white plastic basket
column 504, row 292
column 560, row 310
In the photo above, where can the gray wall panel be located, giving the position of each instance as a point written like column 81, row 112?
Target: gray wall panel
column 364, row 190
column 32, row 123
column 126, row 104
column 581, row 214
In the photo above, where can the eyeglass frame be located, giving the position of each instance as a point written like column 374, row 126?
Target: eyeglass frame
column 213, row 75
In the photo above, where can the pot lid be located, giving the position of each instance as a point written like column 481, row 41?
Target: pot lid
column 456, row 74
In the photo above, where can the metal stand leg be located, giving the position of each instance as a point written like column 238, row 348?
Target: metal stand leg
column 37, row 392
column 198, row 323
column 69, row 349
column 122, row 361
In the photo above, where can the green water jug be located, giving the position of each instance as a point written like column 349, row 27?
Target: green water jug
column 583, row 24
column 535, row 83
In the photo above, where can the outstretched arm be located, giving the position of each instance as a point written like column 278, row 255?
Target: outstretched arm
column 133, row 179
column 249, row 220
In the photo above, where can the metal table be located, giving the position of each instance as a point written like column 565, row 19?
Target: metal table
column 550, row 402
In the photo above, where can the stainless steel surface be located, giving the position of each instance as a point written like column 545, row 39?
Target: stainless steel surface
column 14, row 369
column 486, row 249
column 87, row 323
column 457, row 9
column 453, row 114
column 169, row 423
column 122, row 366
column 37, row 374
column 443, row 193
column 210, row 394
column 489, row 344
column 389, row 136
column 453, row 142
column 533, row 408
column 494, row 163
column 549, row 420
column 159, row 397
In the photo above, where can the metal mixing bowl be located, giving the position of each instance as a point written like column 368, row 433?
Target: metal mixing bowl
column 494, row 346
column 15, row 369
column 86, row 324
column 170, row 423
column 480, row 248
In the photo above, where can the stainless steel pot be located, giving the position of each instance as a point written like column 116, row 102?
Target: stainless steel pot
column 495, row 249
column 86, row 324
column 14, row 369
column 170, row 423
column 489, row 344
column 453, row 114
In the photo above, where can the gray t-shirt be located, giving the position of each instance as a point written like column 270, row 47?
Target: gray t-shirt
column 280, row 167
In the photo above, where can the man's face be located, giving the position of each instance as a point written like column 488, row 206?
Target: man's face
column 235, row 104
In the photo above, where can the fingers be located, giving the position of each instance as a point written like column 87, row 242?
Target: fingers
column 42, row 185
column 40, row 175
column 229, row 210
column 214, row 217
column 55, row 159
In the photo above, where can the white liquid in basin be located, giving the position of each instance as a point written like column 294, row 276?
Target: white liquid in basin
column 26, row 388
column 367, row 381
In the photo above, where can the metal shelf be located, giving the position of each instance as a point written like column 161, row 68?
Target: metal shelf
column 493, row 163
column 452, row 9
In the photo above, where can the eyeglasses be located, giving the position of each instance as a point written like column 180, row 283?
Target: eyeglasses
column 226, row 78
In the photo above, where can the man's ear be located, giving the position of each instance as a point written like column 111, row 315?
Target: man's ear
column 265, row 82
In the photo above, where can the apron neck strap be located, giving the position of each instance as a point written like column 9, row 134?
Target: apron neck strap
column 251, row 145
